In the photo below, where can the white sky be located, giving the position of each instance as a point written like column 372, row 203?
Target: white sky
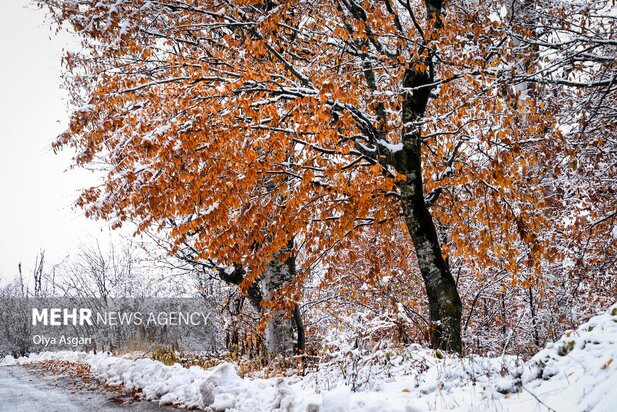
column 36, row 190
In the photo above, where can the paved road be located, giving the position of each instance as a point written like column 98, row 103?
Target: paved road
column 21, row 390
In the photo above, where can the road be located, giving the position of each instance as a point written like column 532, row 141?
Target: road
column 24, row 390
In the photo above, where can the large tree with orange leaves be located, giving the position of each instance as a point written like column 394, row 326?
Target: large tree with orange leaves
column 254, row 131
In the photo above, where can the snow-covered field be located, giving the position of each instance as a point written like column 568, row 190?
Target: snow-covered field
column 576, row 373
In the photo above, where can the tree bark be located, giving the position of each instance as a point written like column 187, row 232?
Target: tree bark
column 279, row 331
column 445, row 307
column 282, row 332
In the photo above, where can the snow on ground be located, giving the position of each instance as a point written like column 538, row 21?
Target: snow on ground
column 576, row 373
column 24, row 391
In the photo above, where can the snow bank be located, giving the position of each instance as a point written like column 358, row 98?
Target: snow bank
column 576, row 373
column 579, row 371
column 219, row 388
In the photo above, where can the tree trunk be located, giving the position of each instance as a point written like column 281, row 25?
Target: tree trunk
column 279, row 331
column 282, row 331
column 445, row 307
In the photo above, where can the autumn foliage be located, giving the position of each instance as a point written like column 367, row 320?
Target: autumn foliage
column 238, row 128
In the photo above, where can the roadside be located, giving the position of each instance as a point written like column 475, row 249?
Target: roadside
column 36, row 388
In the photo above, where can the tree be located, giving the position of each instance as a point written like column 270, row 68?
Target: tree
column 575, row 70
column 242, row 127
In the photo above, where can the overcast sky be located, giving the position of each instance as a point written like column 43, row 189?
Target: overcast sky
column 36, row 190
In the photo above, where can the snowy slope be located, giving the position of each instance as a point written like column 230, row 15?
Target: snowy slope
column 576, row 373
column 579, row 371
